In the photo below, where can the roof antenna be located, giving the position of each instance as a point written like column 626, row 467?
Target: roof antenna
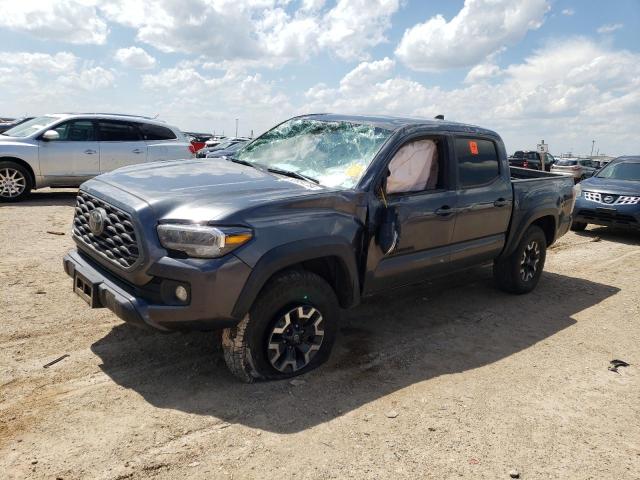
column 439, row 117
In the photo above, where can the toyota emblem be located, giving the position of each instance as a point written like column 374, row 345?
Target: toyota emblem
column 608, row 199
column 97, row 220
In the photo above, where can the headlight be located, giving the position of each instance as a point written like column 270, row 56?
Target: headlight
column 202, row 241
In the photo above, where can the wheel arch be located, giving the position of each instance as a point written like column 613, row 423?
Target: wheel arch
column 332, row 260
column 546, row 220
column 24, row 164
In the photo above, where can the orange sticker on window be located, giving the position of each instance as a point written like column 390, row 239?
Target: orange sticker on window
column 473, row 146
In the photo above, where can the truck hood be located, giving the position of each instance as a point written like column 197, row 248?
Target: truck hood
column 608, row 185
column 202, row 190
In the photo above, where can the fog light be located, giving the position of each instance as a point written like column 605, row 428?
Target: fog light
column 181, row 293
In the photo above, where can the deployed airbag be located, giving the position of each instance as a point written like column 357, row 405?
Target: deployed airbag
column 414, row 167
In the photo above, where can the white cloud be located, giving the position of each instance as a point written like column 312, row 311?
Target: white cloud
column 481, row 72
column 610, row 27
column 257, row 32
column 354, row 26
column 568, row 12
column 135, row 57
column 72, row 21
column 201, row 99
column 481, row 28
column 567, row 93
column 45, row 83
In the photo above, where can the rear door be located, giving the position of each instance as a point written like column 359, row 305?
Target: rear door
column 74, row 157
column 485, row 199
column 121, row 144
column 425, row 220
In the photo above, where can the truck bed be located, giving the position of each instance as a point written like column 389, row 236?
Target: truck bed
column 547, row 194
column 522, row 174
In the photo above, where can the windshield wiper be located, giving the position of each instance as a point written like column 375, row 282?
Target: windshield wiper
column 290, row 173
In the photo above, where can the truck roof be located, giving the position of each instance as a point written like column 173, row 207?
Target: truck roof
column 395, row 123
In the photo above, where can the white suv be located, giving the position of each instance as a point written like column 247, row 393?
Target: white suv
column 64, row 150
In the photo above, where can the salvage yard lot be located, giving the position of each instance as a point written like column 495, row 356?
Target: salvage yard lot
column 445, row 379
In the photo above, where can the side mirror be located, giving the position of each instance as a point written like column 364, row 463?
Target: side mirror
column 50, row 135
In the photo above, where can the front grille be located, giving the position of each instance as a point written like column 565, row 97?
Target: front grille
column 611, row 199
column 118, row 242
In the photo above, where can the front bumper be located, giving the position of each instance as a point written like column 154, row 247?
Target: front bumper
column 215, row 286
column 624, row 216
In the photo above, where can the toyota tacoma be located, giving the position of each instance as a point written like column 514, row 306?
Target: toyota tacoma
column 322, row 210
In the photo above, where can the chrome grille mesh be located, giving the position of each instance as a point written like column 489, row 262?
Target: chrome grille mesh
column 617, row 200
column 118, row 242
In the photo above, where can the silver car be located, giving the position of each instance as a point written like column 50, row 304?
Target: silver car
column 64, row 150
column 578, row 168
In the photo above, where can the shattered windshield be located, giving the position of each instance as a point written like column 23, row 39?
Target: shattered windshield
column 336, row 154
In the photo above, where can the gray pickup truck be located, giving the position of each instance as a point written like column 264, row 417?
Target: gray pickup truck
column 309, row 218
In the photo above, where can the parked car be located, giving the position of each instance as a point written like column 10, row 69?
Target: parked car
column 225, row 148
column 214, row 141
column 4, row 126
column 309, row 218
column 578, row 168
column 64, row 150
column 531, row 159
column 611, row 197
column 198, row 140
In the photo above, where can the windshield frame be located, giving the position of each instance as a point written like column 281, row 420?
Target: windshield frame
column 612, row 164
column 365, row 175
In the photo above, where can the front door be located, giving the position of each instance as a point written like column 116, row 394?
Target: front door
column 74, row 157
column 121, row 144
column 426, row 214
column 484, row 202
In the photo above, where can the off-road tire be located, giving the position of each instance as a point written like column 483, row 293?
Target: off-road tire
column 245, row 345
column 507, row 271
column 9, row 166
column 578, row 226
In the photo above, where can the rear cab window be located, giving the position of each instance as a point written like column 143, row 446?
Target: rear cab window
column 477, row 161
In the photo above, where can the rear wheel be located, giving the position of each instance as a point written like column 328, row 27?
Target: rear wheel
column 521, row 271
column 578, row 226
column 289, row 330
column 15, row 182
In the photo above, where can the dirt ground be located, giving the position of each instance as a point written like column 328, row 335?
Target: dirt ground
column 477, row 382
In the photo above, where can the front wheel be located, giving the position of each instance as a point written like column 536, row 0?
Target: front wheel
column 15, row 182
column 289, row 330
column 521, row 271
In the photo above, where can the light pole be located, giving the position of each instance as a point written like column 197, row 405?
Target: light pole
column 593, row 144
column 236, row 127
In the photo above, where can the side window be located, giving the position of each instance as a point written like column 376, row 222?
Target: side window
column 415, row 167
column 156, row 132
column 477, row 161
column 76, row 131
column 112, row 131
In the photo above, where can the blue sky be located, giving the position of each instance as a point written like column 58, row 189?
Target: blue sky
column 565, row 71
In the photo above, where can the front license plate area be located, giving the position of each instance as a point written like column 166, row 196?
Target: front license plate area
column 86, row 290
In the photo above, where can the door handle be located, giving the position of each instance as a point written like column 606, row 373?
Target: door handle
column 137, row 150
column 501, row 202
column 444, row 211
column 90, row 152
